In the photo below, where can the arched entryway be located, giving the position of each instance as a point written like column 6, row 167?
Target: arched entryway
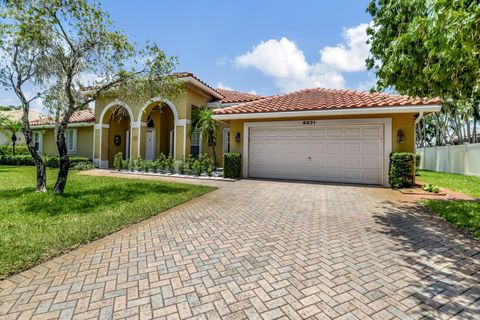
column 158, row 133
column 118, row 120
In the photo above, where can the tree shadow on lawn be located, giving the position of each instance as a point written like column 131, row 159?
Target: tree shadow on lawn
column 444, row 262
column 89, row 199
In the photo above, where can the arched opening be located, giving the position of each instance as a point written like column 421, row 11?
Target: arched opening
column 118, row 120
column 159, row 131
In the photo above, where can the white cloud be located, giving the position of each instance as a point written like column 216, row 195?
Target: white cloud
column 252, row 91
column 348, row 56
column 220, row 85
column 286, row 63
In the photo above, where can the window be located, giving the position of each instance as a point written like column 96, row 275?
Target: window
column 71, row 140
column 38, row 141
column 226, row 140
column 195, row 143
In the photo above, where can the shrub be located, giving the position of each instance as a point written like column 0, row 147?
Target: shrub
column 197, row 166
column 20, row 150
column 402, row 170
column 118, row 160
column 210, row 171
column 232, row 165
column 170, row 164
column 181, row 166
column 431, row 188
column 126, row 164
column 82, row 166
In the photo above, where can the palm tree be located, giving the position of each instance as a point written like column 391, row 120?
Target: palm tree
column 202, row 120
column 14, row 126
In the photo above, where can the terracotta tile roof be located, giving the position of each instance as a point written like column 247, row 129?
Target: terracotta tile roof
column 86, row 115
column 324, row 99
column 235, row 96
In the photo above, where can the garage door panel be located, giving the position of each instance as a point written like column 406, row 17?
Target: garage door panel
column 373, row 132
column 318, row 147
column 353, row 146
column 353, row 132
column 334, row 146
column 318, row 132
column 372, row 147
column 301, row 146
column 353, row 161
column 335, row 132
column 333, row 160
column 348, row 153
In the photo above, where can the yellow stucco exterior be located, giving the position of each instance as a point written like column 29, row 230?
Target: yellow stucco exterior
column 84, row 139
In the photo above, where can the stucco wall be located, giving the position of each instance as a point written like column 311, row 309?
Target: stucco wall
column 404, row 122
column 84, row 142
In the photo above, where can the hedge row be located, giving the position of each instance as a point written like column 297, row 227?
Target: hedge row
column 50, row 161
column 21, row 149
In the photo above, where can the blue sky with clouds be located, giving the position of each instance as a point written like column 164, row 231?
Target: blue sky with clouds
column 264, row 46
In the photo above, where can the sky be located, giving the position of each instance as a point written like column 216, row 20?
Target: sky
column 264, row 46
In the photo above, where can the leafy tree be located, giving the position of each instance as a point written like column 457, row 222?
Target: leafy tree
column 14, row 126
column 429, row 49
column 426, row 48
column 20, row 62
column 77, row 41
column 202, row 120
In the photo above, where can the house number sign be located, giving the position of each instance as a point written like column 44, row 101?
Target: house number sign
column 309, row 122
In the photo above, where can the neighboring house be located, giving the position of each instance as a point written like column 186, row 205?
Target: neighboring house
column 79, row 134
column 314, row 134
column 324, row 134
column 6, row 135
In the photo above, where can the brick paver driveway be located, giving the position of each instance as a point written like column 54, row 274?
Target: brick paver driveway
column 264, row 250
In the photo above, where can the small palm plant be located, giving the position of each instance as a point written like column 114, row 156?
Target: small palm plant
column 14, row 126
column 202, row 120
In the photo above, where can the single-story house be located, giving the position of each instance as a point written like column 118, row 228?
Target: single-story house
column 313, row 134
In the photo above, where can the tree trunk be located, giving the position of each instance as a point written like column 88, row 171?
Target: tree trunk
column 14, row 141
column 64, row 160
column 214, row 154
column 474, row 130
column 39, row 164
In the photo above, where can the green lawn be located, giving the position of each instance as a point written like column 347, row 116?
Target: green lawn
column 37, row 226
column 463, row 214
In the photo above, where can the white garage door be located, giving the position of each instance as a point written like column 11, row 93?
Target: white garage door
column 346, row 153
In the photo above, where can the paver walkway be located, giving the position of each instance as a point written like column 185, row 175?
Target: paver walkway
column 263, row 250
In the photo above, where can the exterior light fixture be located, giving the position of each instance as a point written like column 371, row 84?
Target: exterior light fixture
column 237, row 137
column 400, row 136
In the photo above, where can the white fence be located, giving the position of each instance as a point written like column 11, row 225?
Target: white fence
column 463, row 159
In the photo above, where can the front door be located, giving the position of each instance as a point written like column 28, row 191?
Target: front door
column 150, row 145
